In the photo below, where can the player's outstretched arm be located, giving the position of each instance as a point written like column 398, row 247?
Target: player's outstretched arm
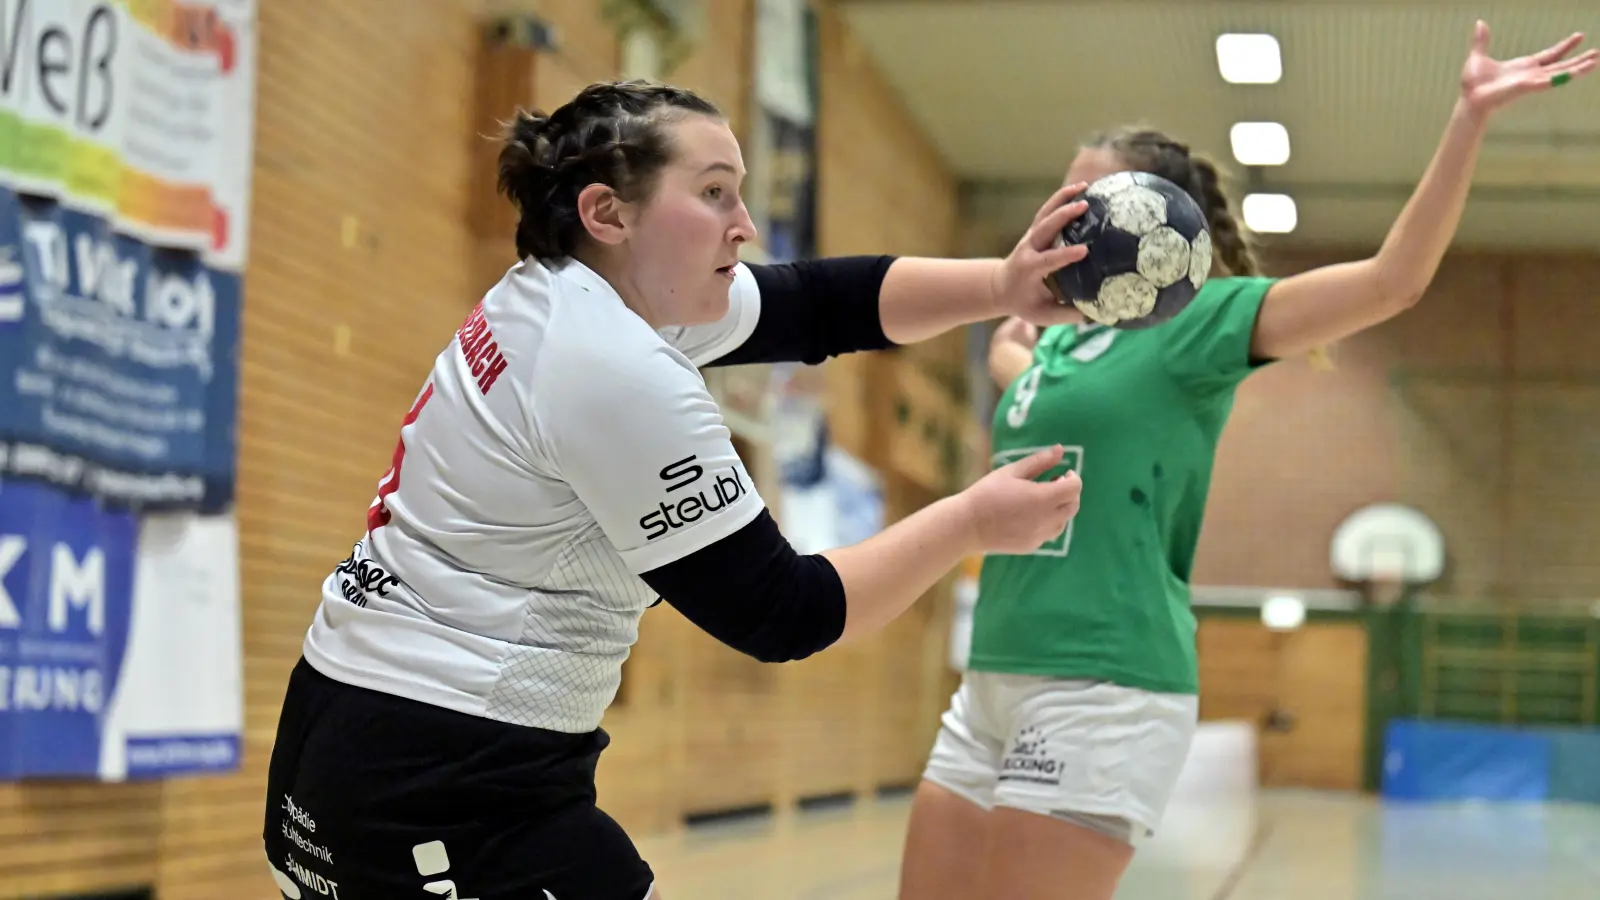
column 1006, row 511
column 1321, row 306
column 754, row 593
column 809, row 310
column 922, row 298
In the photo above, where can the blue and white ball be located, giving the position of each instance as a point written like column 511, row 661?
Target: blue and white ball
column 1149, row 251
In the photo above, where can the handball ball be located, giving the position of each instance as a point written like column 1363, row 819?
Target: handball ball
column 1149, row 251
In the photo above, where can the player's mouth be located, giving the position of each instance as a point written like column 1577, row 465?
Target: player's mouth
column 726, row 271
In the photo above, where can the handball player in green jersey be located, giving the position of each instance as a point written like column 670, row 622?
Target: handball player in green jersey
column 1073, row 720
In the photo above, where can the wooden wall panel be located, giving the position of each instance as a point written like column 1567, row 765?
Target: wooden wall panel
column 882, row 188
column 1322, row 686
column 1304, row 690
column 719, row 69
column 1238, row 662
column 58, row 838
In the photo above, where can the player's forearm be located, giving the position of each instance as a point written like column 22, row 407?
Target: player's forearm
column 1417, row 242
column 922, row 298
column 886, row 573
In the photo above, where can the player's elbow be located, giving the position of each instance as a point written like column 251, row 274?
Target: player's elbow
column 777, row 653
column 753, row 593
column 802, row 611
column 791, row 619
column 1397, row 288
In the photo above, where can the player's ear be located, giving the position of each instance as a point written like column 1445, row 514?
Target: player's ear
column 603, row 213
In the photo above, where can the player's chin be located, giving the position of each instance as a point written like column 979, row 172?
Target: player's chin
column 714, row 305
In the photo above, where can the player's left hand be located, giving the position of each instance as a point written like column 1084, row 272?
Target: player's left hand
column 1488, row 84
column 1020, row 287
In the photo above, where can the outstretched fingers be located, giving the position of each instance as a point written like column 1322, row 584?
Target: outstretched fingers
column 1556, row 52
column 1053, row 208
column 1581, row 64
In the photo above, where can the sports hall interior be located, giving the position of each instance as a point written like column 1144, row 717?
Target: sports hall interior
column 939, row 127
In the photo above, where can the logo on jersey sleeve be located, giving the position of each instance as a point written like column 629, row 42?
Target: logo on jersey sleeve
column 702, row 496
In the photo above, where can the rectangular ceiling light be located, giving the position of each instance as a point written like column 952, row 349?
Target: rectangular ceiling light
column 1249, row 59
column 1270, row 213
column 1260, row 143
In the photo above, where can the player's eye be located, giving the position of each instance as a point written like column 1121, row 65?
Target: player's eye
column 714, row 192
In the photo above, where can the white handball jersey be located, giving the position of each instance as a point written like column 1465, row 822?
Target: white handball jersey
column 559, row 447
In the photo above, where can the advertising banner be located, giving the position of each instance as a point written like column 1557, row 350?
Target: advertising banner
column 126, row 129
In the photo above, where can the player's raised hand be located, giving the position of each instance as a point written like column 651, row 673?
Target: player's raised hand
column 1487, row 84
column 1020, row 287
column 1012, row 512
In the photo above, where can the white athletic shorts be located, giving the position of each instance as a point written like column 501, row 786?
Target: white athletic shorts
column 1093, row 753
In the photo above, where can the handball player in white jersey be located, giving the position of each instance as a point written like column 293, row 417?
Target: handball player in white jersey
column 563, row 468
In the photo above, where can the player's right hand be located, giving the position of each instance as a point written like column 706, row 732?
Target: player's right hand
column 1013, row 513
column 1021, row 281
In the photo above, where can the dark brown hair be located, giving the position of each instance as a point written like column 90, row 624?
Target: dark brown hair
column 611, row 133
column 1149, row 150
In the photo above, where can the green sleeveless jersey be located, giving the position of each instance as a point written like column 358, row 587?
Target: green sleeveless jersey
column 1140, row 413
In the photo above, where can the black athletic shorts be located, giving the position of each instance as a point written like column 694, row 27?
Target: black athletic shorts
column 375, row 797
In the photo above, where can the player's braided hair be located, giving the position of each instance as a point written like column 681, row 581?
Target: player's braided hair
column 611, row 134
column 1149, row 150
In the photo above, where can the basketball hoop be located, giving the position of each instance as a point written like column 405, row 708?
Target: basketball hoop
column 1385, row 548
column 1385, row 584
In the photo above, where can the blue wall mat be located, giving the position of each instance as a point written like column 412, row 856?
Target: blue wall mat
column 1575, row 765
column 1450, row 761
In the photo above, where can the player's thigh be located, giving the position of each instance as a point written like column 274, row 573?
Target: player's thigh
column 945, row 843
column 1040, row 857
column 944, row 839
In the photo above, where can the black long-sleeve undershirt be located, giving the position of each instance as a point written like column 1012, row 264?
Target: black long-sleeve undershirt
column 813, row 309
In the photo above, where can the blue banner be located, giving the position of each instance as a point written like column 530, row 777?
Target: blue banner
column 118, row 362
column 66, row 599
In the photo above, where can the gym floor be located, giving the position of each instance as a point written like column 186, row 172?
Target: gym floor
column 1278, row 845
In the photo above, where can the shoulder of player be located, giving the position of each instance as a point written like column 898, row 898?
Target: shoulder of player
column 559, row 328
column 1219, row 293
column 585, row 363
column 1221, row 287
